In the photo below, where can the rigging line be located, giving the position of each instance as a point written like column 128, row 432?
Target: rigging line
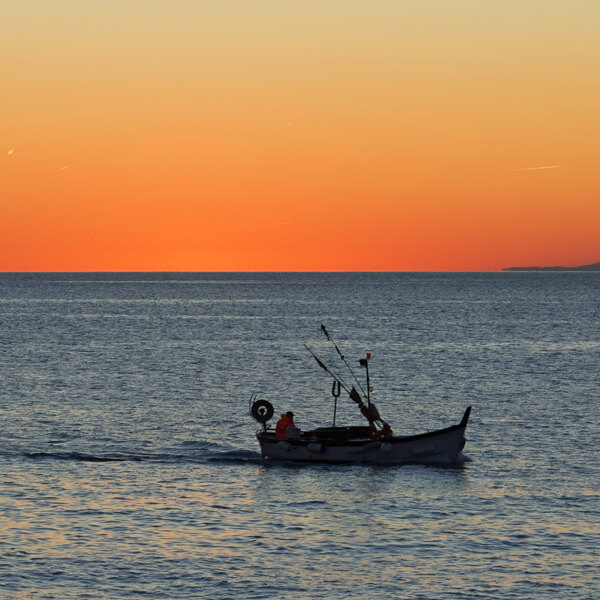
column 323, row 366
column 330, row 339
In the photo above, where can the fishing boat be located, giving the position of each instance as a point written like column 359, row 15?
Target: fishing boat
column 372, row 443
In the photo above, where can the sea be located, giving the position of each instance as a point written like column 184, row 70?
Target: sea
column 130, row 468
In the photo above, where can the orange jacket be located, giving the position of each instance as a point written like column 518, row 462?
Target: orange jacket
column 282, row 425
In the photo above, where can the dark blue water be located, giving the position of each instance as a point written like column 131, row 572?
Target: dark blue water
column 130, row 468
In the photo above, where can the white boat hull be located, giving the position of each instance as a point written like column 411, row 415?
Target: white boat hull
column 442, row 446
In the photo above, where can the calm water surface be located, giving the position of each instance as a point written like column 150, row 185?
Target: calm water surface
column 130, row 468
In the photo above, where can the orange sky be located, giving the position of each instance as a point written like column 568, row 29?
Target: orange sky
column 314, row 135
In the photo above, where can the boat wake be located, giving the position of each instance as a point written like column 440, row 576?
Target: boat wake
column 236, row 457
column 195, row 454
column 78, row 457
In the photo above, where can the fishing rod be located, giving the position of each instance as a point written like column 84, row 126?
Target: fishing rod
column 330, row 339
column 332, row 374
column 369, row 410
column 338, row 382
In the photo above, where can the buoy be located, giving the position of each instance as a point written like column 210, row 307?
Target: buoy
column 262, row 411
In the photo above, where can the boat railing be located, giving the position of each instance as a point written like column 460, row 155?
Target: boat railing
column 341, row 434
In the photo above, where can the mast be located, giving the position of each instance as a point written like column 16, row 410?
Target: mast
column 369, row 411
column 364, row 362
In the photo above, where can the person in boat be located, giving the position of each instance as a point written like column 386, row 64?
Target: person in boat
column 286, row 420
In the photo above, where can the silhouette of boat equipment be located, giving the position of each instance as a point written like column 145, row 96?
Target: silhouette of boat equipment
column 373, row 443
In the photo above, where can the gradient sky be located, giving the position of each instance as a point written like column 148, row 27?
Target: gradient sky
column 312, row 135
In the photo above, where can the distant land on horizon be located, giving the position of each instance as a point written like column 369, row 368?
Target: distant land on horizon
column 592, row 267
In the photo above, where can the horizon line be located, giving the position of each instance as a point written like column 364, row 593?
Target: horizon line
column 133, row 271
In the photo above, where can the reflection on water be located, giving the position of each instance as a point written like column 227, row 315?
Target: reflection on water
column 130, row 467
